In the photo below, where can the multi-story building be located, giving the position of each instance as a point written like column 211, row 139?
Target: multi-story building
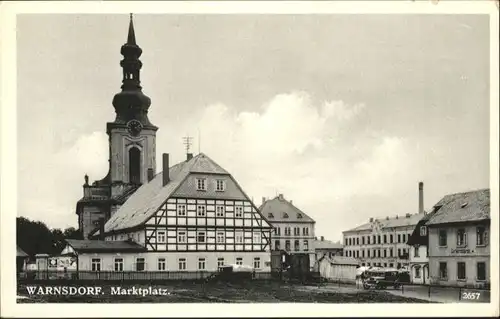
column 293, row 229
column 382, row 241
column 459, row 250
column 192, row 216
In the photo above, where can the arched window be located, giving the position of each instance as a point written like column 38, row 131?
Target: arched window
column 134, row 162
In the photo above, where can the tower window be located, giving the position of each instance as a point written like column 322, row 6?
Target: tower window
column 134, row 156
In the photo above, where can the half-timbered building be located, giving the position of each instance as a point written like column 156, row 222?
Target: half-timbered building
column 192, row 216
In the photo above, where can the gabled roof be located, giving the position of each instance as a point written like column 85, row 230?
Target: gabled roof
column 279, row 209
column 399, row 221
column 326, row 244
column 21, row 253
column 462, row 207
column 86, row 245
column 149, row 197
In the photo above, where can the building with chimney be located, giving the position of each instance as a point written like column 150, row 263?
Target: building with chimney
column 325, row 247
column 132, row 145
column 293, row 229
column 458, row 240
column 382, row 242
column 191, row 216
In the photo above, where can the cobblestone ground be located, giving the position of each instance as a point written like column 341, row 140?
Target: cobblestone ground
column 269, row 292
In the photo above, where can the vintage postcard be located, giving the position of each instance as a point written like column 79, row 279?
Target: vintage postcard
column 250, row 158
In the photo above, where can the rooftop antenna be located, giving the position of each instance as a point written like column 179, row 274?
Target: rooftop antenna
column 187, row 142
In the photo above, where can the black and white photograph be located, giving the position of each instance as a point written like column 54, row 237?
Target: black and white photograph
column 310, row 155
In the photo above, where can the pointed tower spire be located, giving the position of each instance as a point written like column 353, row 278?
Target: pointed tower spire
column 131, row 103
column 131, row 32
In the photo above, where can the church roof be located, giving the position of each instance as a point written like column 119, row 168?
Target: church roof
column 279, row 209
column 149, row 197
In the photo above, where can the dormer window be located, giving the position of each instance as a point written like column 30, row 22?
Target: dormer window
column 201, row 184
column 423, row 231
column 464, row 204
column 299, row 215
column 270, row 215
column 285, row 215
column 220, row 185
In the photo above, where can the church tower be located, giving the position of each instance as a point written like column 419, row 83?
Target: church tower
column 132, row 137
column 132, row 146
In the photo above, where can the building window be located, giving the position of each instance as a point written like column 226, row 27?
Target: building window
column 374, row 241
column 404, row 238
column 296, row 231
column 385, row 265
column 346, row 241
column 299, row 216
column 391, row 239
column 277, row 244
column 239, row 261
column 118, row 264
column 140, row 264
column 378, row 239
column 305, row 231
column 161, row 236
column 285, row 215
column 134, row 170
column 201, row 263
column 182, row 263
column 162, row 264
column 238, row 211
column 219, row 211
column 181, row 210
column 481, row 236
column 368, row 253
column 220, row 262
column 220, row 185
column 385, row 252
column 399, row 252
column 385, row 239
column 306, row 245
column 461, row 270
column 391, row 265
column 416, row 249
column 417, row 272
column 201, row 237
column 443, row 271
column 461, row 238
column 399, row 265
column 220, row 237
column 368, row 240
column 238, row 237
column 256, row 238
column 277, row 231
column 201, row 184
column 362, row 253
column 423, row 231
column 399, row 238
column 362, row 240
column 287, row 231
column 390, row 252
column 256, row 263
column 296, row 245
column 96, row 264
column 442, row 238
column 201, row 210
column 287, row 245
column 181, row 236
column 481, row 271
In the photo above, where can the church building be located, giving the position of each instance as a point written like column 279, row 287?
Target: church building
column 191, row 216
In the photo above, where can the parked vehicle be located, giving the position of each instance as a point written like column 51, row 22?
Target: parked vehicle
column 381, row 279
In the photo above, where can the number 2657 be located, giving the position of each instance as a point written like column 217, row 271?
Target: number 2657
column 471, row 295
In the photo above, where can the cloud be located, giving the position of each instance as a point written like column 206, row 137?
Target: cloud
column 290, row 145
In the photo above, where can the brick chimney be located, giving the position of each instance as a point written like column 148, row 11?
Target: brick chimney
column 280, row 196
column 189, row 156
column 371, row 219
column 263, row 200
column 101, row 228
column 420, row 197
column 322, row 238
column 166, row 165
column 150, row 174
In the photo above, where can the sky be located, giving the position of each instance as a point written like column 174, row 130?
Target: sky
column 343, row 114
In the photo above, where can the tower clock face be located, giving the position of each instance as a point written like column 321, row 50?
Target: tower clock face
column 134, row 127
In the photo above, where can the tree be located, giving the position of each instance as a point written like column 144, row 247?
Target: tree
column 72, row 233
